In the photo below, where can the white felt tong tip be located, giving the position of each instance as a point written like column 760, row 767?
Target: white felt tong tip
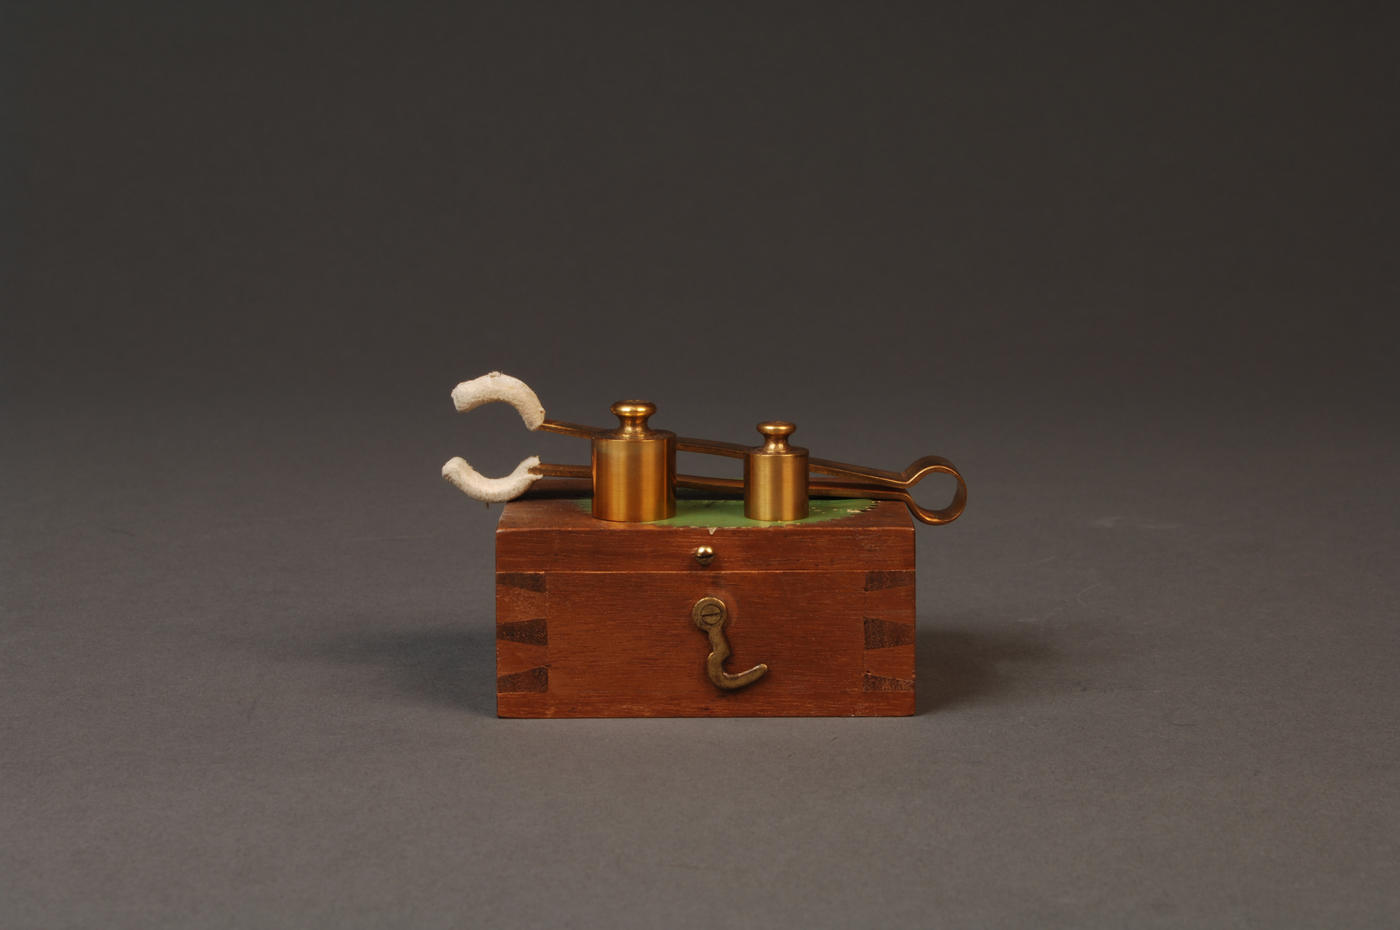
column 491, row 490
column 496, row 386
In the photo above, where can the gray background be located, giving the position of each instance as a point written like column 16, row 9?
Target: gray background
column 1131, row 267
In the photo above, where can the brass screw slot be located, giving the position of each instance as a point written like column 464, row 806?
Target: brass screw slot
column 705, row 555
column 710, row 614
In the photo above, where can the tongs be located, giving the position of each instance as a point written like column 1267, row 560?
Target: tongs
column 854, row 481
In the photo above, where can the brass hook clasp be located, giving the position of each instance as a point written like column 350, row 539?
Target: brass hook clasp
column 710, row 614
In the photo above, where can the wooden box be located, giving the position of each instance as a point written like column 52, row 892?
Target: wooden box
column 594, row 619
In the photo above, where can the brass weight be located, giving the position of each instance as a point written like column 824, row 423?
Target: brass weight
column 775, row 476
column 634, row 468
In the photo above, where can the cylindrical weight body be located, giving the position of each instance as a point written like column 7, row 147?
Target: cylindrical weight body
column 775, row 477
column 634, row 469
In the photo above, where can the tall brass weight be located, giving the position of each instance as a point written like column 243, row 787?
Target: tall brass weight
column 634, row 468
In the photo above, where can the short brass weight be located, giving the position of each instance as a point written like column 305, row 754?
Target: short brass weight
column 627, row 485
column 775, row 476
column 710, row 614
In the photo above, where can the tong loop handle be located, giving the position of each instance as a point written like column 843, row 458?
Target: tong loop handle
column 892, row 485
column 928, row 465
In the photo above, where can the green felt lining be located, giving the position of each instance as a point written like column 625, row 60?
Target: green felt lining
column 731, row 512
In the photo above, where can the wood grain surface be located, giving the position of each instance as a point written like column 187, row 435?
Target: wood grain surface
column 594, row 619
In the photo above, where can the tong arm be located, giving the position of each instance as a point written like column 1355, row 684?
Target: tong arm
column 876, row 483
column 731, row 450
column 735, row 486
